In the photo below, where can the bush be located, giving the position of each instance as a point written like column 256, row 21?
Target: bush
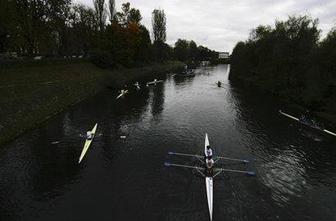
column 102, row 59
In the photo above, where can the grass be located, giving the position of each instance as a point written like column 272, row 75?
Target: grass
column 32, row 92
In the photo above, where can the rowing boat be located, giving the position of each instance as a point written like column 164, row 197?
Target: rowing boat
column 123, row 92
column 208, row 182
column 88, row 143
column 154, row 82
column 202, row 171
column 309, row 125
column 137, row 85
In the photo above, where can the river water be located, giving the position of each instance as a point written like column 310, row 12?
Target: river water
column 125, row 179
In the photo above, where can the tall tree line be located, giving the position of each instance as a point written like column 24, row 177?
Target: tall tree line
column 291, row 60
column 189, row 52
column 60, row 28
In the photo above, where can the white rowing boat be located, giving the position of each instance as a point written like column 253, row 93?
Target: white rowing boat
column 208, row 182
column 315, row 127
column 202, row 171
column 123, row 92
column 154, row 82
column 137, row 85
column 87, row 143
column 289, row 116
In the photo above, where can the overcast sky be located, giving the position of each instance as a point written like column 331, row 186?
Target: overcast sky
column 220, row 24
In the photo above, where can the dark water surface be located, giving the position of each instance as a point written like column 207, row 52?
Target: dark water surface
column 124, row 179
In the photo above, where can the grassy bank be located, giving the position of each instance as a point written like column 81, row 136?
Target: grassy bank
column 32, row 93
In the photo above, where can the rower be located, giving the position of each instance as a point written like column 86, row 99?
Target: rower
column 208, row 153
column 219, row 84
column 209, row 166
column 304, row 118
column 89, row 135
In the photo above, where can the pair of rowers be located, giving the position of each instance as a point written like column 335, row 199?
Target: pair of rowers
column 209, row 162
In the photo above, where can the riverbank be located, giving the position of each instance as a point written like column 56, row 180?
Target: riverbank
column 33, row 92
column 324, row 115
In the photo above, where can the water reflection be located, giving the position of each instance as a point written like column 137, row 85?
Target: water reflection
column 289, row 162
column 285, row 175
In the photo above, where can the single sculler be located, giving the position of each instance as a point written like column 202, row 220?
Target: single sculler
column 154, row 82
column 89, row 137
column 122, row 93
column 303, row 120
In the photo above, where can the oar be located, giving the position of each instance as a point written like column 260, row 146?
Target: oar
column 329, row 132
column 184, row 154
column 198, row 156
column 167, row 164
column 233, row 159
column 250, row 173
column 201, row 172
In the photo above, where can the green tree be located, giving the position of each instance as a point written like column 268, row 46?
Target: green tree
column 283, row 60
column 193, row 51
column 83, row 29
column 112, row 9
column 100, row 9
column 57, row 15
column 7, row 25
column 159, row 25
column 181, row 50
column 128, row 15
column 31, row 26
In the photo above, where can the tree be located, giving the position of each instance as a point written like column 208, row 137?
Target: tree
column 181, row 49
column 7, row 24
column 128, row 15
column 286, row 60
column 83, row 28
column 31, row 25
column 111, row 9
column 193, row 52
column 100, row 9
column 134, row 16
column 57, row 15
column 159, row 25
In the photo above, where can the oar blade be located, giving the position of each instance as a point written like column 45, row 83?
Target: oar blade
column 167, row 164
column 250, row 173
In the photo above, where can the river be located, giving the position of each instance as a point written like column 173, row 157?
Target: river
column 125, row 179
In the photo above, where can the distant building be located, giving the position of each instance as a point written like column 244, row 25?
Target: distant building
column 223, row 55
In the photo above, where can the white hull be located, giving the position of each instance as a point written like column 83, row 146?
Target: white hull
column 329, row 132
column 297, row 119
column 208, row 183
column 122, row 94
column 137, row 86
column 206, row 143
column 209, row 189
column 87, row 144
column 289, row 116
column 154, row 82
